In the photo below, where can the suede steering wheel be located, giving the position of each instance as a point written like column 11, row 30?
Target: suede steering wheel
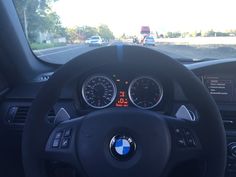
column 151, row 136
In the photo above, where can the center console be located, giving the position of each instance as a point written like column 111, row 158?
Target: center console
column 222, row 89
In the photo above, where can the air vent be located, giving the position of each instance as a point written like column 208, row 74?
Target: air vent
column 51, row 116
column 43, row 77
column 17, row 115
column 20, row 115
column 229, row 119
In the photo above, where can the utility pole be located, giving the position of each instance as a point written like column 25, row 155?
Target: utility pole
column 25, row 22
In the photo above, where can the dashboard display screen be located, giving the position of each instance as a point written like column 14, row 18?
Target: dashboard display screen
column 122, row 100
column 220, row 87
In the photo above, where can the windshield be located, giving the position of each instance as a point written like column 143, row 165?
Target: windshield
column 59, row 30
column 95, row 37
column 149, row 38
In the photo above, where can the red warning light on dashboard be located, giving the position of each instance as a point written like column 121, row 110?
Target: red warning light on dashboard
column 122, row 100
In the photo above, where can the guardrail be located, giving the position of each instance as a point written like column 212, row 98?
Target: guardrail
column 199, row 40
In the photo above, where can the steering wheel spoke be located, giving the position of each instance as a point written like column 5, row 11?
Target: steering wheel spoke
column 183, row 132
column 185, row 140
column 61, row 142
column 180, row 156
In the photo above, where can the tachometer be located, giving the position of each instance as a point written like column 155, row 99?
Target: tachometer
column 145, row 92
column 99, row 91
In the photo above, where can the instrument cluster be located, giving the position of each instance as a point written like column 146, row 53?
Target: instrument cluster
column 101, row 91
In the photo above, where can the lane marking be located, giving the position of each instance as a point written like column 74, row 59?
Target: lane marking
column 53, row 53
column 120, row 52
column 54, row 48
column 112, row 43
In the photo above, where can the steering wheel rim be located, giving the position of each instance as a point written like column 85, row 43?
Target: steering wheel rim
column 37, row 131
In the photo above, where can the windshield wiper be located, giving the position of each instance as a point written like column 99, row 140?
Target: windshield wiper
column 194, row 60
column 203, row 59
column 182, row 59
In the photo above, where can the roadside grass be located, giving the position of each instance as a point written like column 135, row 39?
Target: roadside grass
column 39, row 46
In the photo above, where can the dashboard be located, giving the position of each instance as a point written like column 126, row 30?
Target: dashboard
column 145, row 91
column 121, row 87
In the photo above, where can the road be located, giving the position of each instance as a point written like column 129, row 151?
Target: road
column 61, row 55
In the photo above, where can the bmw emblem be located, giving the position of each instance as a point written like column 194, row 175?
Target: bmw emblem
column 122, row 147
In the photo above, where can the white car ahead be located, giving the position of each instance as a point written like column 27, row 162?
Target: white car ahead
column 149, row 41
column 87, row 41
column 96, row 41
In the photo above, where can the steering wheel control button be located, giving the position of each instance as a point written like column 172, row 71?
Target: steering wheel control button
column 122, row 147
column 56, row 143
column 181, row 142
column 65, row 143
column 179, row 137
column 184, row 137
column 58, row 135
column 189, row 138
column 67, row 133
column 57, row 139
column 191, row 142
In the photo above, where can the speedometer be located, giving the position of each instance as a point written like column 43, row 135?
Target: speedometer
column 99, row 91
column 145, row 92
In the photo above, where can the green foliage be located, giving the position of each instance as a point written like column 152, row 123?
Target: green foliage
column 209, row 33
column 85, row 32
column 72, row 35
column 173, row 34
column 36, row 16
column 38, row 46
column 213, row 33
column 105, row 32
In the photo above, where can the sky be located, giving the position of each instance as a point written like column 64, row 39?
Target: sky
column 127, row 16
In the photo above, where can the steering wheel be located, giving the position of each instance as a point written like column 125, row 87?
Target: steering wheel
column 149, row 141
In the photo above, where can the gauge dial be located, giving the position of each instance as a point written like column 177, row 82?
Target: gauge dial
column 145, row 92
column 99, row 91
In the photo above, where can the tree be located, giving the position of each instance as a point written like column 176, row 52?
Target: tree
column 36, row 16
column 210, row 33
column 105, row 32
column 85, row 32
column 123, row 36
column 51, row 23
column 173, row 34
column 72, row 35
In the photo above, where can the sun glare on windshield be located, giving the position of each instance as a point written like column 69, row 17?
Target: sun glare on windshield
column 59, row 30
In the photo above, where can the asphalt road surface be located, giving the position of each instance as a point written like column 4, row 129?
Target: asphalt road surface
column 61, row 55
